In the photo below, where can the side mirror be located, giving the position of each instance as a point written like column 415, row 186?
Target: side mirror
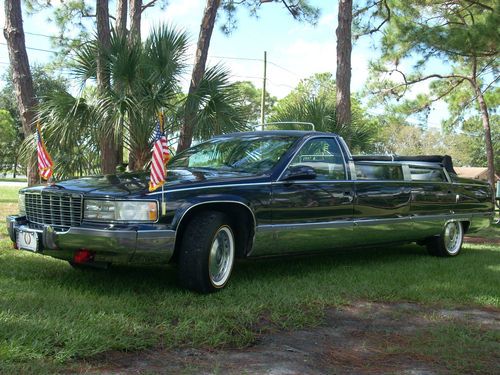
column 299, row 172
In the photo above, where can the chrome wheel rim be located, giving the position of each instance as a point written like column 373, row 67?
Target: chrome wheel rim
column 453, row 237
column 221, row 257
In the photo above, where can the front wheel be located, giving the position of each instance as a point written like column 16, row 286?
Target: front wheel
column 449, row 243
column 207, row 253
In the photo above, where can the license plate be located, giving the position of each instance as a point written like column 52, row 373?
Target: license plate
column 27, row 240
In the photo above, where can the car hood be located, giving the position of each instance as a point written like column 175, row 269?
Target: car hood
column 136, row 183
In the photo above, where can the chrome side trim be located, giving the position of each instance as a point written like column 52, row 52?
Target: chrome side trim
column 320, row 225
column 151, row 234
column 368, row 222
column 211, row 187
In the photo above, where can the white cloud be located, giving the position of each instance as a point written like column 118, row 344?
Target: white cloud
column 177, row 11
column 328, row 19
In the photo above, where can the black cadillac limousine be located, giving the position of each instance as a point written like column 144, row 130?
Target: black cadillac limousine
column 249, row 195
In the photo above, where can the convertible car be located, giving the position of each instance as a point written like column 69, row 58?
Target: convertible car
column 252, row 194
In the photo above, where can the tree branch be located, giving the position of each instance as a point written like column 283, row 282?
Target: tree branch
column 364, row 9
column 148, row 5
column 393, row 90
column 481, row 5
column 379, row 27
column 290, row 8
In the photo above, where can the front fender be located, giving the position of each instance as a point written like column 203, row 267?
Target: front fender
column 208, row 199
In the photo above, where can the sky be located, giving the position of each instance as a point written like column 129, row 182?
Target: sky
column 294, row 50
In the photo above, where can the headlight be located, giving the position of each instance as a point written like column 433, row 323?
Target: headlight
column 22, row 204
column 120, row 211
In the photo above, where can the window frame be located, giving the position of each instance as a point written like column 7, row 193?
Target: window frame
column 347, row 176
column 404, row 174
column 447, row 178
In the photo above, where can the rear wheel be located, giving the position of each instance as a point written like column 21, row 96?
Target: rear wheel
column 449, row 243
column 207, row 253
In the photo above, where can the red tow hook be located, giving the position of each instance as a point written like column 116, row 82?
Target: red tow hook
column 83, row 256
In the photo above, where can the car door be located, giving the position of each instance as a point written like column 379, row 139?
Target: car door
column 433, row 199
column 313, row 214
column 382, row 205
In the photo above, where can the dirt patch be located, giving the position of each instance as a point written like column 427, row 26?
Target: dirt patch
column 481, row 240
column 363, row 338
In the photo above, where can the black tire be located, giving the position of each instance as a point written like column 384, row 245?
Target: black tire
column 449, row 242
column 208, row 240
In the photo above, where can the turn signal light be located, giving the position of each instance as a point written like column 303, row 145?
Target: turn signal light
column 83, row 256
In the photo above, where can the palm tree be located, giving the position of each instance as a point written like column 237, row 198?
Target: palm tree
column 320, row 111
column 145, row 79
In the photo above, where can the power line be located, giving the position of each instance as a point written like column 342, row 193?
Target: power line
column 279, row 84
column 49, row 36
column 236, row 58
column 35, row 49
column 250, row 77
column 259, row 60
column 283, row 68
column 37, row 34
column 217, row 57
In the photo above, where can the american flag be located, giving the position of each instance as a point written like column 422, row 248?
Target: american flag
column 160, row 157
column 45, row 163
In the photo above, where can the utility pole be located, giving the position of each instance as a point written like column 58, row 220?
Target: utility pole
column 263, row 99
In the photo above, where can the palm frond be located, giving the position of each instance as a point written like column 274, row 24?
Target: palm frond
column 217, row 102
column 83, row 66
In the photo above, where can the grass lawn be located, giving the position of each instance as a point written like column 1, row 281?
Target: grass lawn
column 10, row 179
column 8, row 194
column 51, row 314
column 492, row 232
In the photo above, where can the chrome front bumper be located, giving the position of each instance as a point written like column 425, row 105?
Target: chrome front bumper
column 111, row 245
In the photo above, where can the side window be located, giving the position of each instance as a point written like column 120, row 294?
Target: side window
column 427, row 174
column 379, row 172
column 324, row 156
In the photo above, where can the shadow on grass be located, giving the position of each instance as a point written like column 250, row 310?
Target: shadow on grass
column 51, row 312
column 361, row 264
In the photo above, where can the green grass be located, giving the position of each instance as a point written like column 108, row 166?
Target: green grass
column 8, row 194
column 10, row 179
column 51, row 313
column 458, row 347
column 493, row 232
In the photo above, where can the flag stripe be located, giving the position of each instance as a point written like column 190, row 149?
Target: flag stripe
column 159, row 157
column 45, row 163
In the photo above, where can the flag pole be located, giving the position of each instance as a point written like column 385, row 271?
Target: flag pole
column 163, row 202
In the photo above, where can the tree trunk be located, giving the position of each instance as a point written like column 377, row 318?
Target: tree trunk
column 104, row 40
column 490, row 156
column 121, row 29
column 140, row 159
column 206, row 29
column 121, row 16
column 21, row 75
column 14, row 173
column 343, row 75
column 107, row 141
column 135, row 18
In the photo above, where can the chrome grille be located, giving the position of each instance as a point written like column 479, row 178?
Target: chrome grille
column 58, row 210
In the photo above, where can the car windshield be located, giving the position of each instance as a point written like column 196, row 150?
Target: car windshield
column 255, row 155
